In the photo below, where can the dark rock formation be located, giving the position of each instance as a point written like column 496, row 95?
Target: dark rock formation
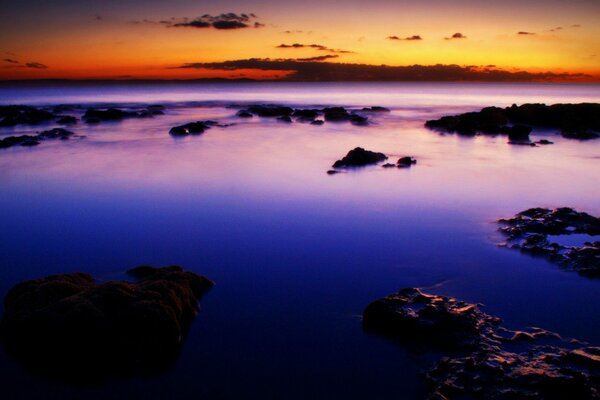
column 56, row 133
column 340, row 114
column 270, row 110
column 406, row 162
column 29, row 140
column 375, row 109
column 359, row 157
column 544, row 141
column 71, row 324
column 244, row 114
column 518, row 133
column 388, row 165
column 333, row 172
column 192, row 128
column 528, row 231
column 92, row 116
column 317, row 122
column 66, row 120
column 285, row 118
column 575, row 121
column 15, row 115
column 480, row 360
column 306, row 114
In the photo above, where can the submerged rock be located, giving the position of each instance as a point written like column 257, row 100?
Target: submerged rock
column 285, row 118
column 575, row 121
column 359, row 157
column 528, row 231
column 406, row 162
column 270, row 110
column 479, row 358
column 72, row 324
column 56, row 133
column 192, row 128
column 375, row 109
column 244, row 114
column 518, row 133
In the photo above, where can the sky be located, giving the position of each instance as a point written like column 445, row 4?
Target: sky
column 304, row 40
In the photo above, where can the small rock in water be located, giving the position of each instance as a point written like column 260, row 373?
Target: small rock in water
column 359, row 157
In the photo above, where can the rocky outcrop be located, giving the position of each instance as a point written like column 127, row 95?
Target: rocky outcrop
column 360, row 157
column 310, row 115
column 192, row 128
column 406, row 162
column 71, row 324
column 94, row 116
column 481, row 359
column 529, row 232
column 34, row 140
column 26, row 115
column 574, row 121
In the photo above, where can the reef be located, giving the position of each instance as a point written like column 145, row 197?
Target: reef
column 529, row 231
column 26, row 115
column 74, row 327
column 34, row 140
column 480, row 358
column 574, row 121
column 360, row 157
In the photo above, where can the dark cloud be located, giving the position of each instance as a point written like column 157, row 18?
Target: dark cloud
column 313, row 46
column 558, row 28
column 10, row 60
column 223, row 21
column 307, row 70
column 410, row 38
column 290, row 32
column 525, row 33
column 317, row 58
column 457, row 35
column 36, row 65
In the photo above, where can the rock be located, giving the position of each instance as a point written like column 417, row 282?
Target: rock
column 56, row 133
column 375, row 109
column 388, row 165
column 67, row 120
column 270, row 110
column 16, row 115
column 285, row 118
column 336, row 114
column 317, row 122
column 518, row 133
column 23, row 140
column 528, row 231
column 72, row 325
column 306, row 114
column 406, row 162
column 111, row 114
column 477, row 360
column 244, row 114
column 359, row 120
column 191, row 128
column 576, row 121
column 413, row 315
column 544, row 141
column 359, row 157
column 332, row 172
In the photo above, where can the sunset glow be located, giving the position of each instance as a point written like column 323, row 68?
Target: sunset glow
column 120, row 40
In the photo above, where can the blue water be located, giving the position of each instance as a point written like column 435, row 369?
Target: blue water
column 296, row 254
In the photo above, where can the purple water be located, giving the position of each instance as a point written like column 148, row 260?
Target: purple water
column 296, row 254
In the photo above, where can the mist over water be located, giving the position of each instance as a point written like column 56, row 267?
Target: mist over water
column 296, row 254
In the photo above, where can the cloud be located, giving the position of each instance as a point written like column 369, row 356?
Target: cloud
column 457, row 35
column 576, row 26
column 290, row 32
column 317, row 58
column 225, row 21
column 558, row 28
column 307, row 70
column 10, row 60
column 313, row 46
column 36, row 65
column 525, row 33
column 410, row 38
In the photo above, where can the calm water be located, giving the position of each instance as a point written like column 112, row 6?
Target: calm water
column 296, row 254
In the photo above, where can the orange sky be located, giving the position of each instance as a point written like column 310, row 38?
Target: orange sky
column 90, row 40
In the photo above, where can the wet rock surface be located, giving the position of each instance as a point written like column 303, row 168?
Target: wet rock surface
column 529, row 232
column 34, row 140
column 359, row 157
column 481, row 359
column 574, row 121
column 72, row 326
column 406, row 162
